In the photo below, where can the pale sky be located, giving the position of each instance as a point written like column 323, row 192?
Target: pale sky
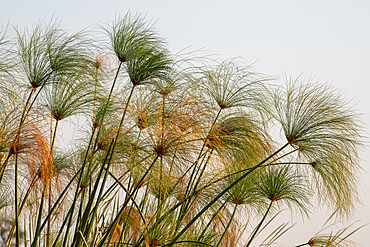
column 326, row 39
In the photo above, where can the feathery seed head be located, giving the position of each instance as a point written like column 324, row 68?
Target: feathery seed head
column 283, row 184
column 326, row 132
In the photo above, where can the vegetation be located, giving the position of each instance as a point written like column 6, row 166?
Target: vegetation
column 165, row 150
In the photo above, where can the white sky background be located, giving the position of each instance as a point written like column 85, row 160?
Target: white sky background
column 326, row 39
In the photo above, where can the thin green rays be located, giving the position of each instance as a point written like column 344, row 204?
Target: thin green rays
column 139, row 48
column 285, row 185
column 48, row 50
column 281, row 185
column 326, row 132
column 238, row 134
column 6, row 54
column 70, row 96
column 340, row 238
column 130, row 32
column 232, row 84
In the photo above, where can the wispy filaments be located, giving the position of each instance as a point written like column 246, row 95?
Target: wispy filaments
column 326, row 133
column 231, row 84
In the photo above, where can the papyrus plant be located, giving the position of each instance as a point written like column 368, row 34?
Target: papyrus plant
column 164, row 150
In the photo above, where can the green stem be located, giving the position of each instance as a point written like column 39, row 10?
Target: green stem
column 55, row 205
column 18, row 133
column 260, row 224
column 90, row 144
column 80, row 172
column 188, row 241
column 69, row 222
column 87, row 212
column 114, row 82
column 228, row 225
column 32, row 185
column 225, row 191
column 187, row 203
column 202, row 171
column 110, row 155
column 287, row 154
column 55, row 242
column 33, row 102
column 195, row 171
column 200, row 153
column 24, row 115
column 302, row 245
column 54, row 135
column 38, row 229
column 115, row 221
column 128, row 193
column 49, row 196
column 2, row 169
column 81, row 207
column 16, row 203
column 288, row 163
column 213, row 217
column 16, row 172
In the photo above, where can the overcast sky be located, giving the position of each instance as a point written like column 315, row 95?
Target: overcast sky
column 329, row 40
